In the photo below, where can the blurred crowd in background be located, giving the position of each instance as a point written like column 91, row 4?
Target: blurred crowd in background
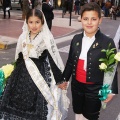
column 108, row 8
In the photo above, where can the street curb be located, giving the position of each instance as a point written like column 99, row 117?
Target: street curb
column 7, row 42
column 2, row 46
column 7, row 46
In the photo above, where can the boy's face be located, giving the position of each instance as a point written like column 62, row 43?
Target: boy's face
column 90, row 22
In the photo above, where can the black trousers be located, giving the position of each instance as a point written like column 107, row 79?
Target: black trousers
column 49, row 23
column 85, row 99
column 4, row 10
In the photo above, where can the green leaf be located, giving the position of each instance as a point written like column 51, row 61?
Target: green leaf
column 113, row 49
column 110, row 52
column 110, row 69
column 103, row 50
column 111, row 61
column 112, row 56
column 109, row 45
column 103, row 59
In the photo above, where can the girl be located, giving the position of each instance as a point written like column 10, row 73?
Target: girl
column 31, row 92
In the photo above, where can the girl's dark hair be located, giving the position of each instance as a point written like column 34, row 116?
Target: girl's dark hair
column 92, row 6
column 35, row 12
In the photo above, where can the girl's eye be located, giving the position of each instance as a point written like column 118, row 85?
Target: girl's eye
column 37, row 22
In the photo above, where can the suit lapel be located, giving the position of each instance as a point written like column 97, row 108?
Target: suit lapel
column 97, row 43
column 78, row 45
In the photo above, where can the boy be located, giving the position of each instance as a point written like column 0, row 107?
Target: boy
column 83, row 64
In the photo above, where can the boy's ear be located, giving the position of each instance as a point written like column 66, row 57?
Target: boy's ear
column 100, row 20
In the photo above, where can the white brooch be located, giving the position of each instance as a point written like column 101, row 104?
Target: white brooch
column 95, row 45
column 24, row 44
column 77, row 43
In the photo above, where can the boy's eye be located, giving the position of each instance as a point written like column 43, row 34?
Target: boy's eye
column 30, row 21
column 91, row 19
column 85, row 19
column 94, row 19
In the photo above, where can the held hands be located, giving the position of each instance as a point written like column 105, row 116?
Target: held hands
column 109, row 98
column 63, row 85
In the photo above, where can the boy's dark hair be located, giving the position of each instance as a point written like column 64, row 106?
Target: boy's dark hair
column 92, row 6
column 35, row 12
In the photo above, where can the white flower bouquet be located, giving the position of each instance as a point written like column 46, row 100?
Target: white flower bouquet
column 109, row 66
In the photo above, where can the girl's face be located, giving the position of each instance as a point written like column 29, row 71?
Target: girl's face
column 34, row 24
column 90, row 22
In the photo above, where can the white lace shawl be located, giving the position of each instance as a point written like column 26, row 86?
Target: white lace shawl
column 43, row 40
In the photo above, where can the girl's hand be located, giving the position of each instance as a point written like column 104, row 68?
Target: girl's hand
column 63, row 85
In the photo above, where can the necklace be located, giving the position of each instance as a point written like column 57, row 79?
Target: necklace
column 34, row 37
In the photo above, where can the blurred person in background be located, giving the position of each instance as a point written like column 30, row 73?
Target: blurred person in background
column 48, row 12
column 26, row 7
column 107, row 8
column 77, row 6
column 6, row 4
column 38, row 4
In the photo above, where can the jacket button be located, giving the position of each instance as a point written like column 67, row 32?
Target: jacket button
column 90, row 63
column 88, row 77
column 73, row 73
column 89, row 72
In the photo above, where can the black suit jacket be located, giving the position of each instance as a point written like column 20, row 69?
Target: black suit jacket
column 48, row 11
column 93, row 73
column 6, row 3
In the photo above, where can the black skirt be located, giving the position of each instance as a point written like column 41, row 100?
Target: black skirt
column 21, row 99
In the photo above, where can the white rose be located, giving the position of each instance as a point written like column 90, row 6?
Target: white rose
column 117, row 56
column 102, row 66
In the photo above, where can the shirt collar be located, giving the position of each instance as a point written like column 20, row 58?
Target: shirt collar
column 93, row 37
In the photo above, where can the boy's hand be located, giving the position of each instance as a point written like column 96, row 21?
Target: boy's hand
column 63, row 85
column 109, row 98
